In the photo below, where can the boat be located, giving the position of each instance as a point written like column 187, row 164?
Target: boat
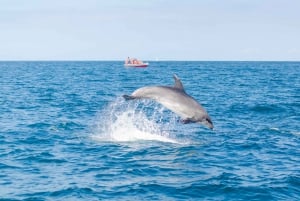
column 129, row 62
column 139, row 65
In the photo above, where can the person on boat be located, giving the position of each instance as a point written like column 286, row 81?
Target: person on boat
column 134, row 61
column 128, row 61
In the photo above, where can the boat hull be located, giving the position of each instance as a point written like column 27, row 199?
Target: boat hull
column 143, row 65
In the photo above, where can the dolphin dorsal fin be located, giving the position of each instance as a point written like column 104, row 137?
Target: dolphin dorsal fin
column 178, row 84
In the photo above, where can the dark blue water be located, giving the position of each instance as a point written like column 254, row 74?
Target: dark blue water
column 67, row 134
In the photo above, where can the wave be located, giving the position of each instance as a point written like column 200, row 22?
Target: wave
column 126, row 121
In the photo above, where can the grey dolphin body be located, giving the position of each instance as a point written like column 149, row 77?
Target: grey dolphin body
column 177, row 100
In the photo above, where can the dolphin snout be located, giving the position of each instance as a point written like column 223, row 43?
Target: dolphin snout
column 207, row 122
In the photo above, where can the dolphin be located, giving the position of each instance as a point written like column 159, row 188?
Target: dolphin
column 175, row 99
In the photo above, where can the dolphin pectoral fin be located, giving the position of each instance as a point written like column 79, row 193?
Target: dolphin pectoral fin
column 186, row 121
column 127, row 97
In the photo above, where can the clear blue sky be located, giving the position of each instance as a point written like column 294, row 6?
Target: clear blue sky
column 150, row 29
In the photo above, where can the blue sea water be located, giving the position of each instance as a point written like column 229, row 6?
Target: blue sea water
column 67, row 134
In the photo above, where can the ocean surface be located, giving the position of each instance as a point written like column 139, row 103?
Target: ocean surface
column 67, row 134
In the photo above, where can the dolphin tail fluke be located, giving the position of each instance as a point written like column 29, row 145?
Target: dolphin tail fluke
column 127, row 97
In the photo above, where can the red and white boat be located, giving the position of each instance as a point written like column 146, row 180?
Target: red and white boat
column 129, row 62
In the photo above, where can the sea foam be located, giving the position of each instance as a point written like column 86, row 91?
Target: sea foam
column 126, row 121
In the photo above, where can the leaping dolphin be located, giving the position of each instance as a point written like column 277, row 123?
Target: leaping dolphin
column 177, row 100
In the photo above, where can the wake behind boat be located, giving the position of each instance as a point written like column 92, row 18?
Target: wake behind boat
column 129, row 62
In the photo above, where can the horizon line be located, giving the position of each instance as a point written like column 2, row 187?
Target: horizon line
column 151, row 60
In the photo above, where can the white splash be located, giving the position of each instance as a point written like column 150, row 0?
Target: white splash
column 126, row 121
column 295, row 133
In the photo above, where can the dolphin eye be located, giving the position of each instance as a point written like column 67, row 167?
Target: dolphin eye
column 208, row 120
